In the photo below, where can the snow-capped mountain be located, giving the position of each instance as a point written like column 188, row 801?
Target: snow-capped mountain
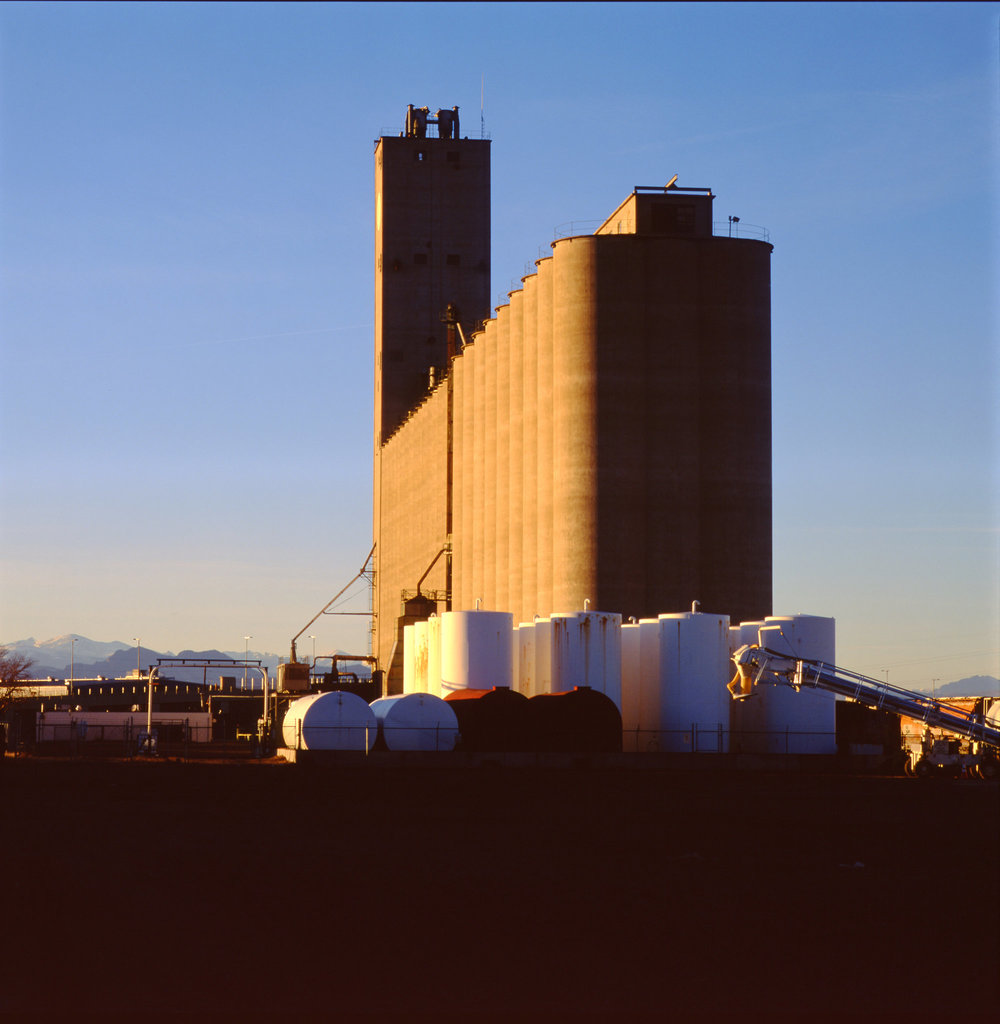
column 49, row 657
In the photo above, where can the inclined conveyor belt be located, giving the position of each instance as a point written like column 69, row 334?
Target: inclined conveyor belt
column 876, row 694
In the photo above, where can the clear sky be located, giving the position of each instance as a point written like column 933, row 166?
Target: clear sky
column 187, row 287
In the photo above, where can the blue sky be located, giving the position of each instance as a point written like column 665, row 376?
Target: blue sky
column 186, row 296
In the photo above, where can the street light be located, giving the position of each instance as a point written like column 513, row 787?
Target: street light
column 72, row 660
column 311, row 637
column 246, row 655
column 149, row 694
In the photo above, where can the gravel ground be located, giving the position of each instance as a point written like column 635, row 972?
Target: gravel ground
column 261, row 890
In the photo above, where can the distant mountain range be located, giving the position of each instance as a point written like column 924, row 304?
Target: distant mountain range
column 92, row 658
column 972, row 686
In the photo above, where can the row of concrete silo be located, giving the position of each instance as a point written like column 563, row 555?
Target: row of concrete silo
column 502, row 441
column 592, row 437
column 666, row 675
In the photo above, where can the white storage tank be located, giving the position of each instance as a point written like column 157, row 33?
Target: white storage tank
column 409, row 686
column 586, row 651
column 416, row 721
column 631, row 685
column 329, row 721
column 745, row 716
column 524, row 660
column 741, row 635
column 420, row 657
column 803, row 722
column 694, row 671
column 543, row 657
column 653, row 723
column 434, row 655
column 477, row 650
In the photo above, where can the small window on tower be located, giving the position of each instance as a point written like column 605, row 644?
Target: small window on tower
column 420, row 258
column 420, row 154
column 453, row 259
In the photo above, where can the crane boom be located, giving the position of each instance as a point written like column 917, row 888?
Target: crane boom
column 756, row 665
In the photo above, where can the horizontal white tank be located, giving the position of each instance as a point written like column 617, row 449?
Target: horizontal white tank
column 693, row 673
column 329, row 721
column 586, row 651
column 786, row 721
column 416, row 721
column 477, row 650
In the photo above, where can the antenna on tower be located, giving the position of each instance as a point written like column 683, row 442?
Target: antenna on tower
column 482, row 106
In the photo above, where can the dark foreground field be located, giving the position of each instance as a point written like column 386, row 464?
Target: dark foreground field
column 263, row 891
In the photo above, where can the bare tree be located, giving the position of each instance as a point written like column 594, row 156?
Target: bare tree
column 14, row 669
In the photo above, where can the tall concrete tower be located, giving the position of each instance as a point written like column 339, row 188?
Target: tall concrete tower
column 432, row 252
column 432, row 249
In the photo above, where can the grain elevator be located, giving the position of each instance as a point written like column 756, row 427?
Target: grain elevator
column 603, row 436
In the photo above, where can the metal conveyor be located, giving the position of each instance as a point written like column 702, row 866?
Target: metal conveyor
column 756, row 665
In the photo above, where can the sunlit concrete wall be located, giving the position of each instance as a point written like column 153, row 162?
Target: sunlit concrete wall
column 413, row 523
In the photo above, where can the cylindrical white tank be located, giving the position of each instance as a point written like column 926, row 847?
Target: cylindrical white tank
column 476, row 650
column 416, row 721
column 586, row 651
column 631, row 683
column 652, row 697
column 543, row 656
column 329, row 721
column 420, row 657
column 694, row 664
column 746, row 719
column 524, row 659
column 743, row 634
column 803, row 722
column 409, row 686
column 434, row 655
